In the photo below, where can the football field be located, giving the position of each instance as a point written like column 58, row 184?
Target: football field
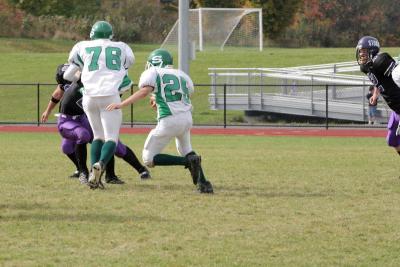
column 279, row 201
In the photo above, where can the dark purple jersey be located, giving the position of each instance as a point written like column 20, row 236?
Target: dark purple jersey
column 71, row 103
column 381, row 76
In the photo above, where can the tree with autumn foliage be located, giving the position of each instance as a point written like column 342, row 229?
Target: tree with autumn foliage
column 287, row 23
column 331, row 23
column 10, row 19
column 277, row 15
column 58, row 7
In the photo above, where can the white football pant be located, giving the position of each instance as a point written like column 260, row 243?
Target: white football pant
column 105, row 124
column 175, row 126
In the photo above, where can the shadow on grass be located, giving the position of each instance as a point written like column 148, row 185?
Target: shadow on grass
column 248, row 191
column 169, row 187
column 22, row 212
column 80, row 217
column 237, row 191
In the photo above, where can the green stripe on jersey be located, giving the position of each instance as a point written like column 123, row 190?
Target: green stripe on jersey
column 162, row 106
column 125, row 85
column 80, row 61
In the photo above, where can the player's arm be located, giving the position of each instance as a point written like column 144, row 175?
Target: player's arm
column 374, row 98
column 72, row 73
column 396, row 75
column 188, row 83
column 140, row 94
column 55, row 98
column 190, row 86
column 129, row 57
column 152, row 102
column 74, row 58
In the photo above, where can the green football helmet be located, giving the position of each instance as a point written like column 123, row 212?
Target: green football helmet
column 101, row 30
column 159, row 58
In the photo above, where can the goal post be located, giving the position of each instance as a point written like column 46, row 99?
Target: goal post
column 221, row 27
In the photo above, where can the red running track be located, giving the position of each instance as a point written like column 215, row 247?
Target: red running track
column 333, row 132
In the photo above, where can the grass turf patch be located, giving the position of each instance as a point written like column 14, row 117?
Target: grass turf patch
column 293, row 201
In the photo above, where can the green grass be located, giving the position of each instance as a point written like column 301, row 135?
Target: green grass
column 35, row 61
column 279, row 201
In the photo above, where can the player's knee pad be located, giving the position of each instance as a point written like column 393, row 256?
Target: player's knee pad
column 120, row 151
column 68, row 147
column 83, row 137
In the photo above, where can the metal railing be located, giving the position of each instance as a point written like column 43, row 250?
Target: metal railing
column 23, row 116
column 23, row 103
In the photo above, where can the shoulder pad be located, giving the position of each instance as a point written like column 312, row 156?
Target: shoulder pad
column 383, row 64
column 75, row 86
column 60, row 73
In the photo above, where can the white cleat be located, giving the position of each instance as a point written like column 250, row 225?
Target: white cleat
column 94, row 180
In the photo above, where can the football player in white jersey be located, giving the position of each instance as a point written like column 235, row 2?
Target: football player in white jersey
column 171, row 90
column 103, row 64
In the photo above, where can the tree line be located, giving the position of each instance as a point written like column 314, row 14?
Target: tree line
column 286, row 23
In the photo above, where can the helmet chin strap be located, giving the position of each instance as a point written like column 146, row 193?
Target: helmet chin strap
column 148, row 65
column 161, row 65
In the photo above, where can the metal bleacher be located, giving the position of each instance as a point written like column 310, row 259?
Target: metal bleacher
column 307, row 90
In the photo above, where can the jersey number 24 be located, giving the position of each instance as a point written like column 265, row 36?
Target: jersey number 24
column 172, row 84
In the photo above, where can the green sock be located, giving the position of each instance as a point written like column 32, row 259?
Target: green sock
column 169, row 160
column 95, row 151
column 107, row 151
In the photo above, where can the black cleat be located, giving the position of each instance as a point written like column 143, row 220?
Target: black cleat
column 113, row 180
column 194, row 167
column 144, row 174
column 83, row 178
column 205, row 187
column 75, row 174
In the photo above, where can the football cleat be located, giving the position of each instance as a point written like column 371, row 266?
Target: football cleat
column 94, row 180
column 75, row 174
column 83, row 178
column 113, row 180
column 205, row 187
column 144, row 174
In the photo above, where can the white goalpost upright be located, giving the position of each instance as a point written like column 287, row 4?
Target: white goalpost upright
column 200, row 29
column 221, row 27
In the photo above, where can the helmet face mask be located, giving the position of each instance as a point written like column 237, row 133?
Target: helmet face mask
column 367, row 48
column 101, row 30
column 363, row 56
column 160, row 58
